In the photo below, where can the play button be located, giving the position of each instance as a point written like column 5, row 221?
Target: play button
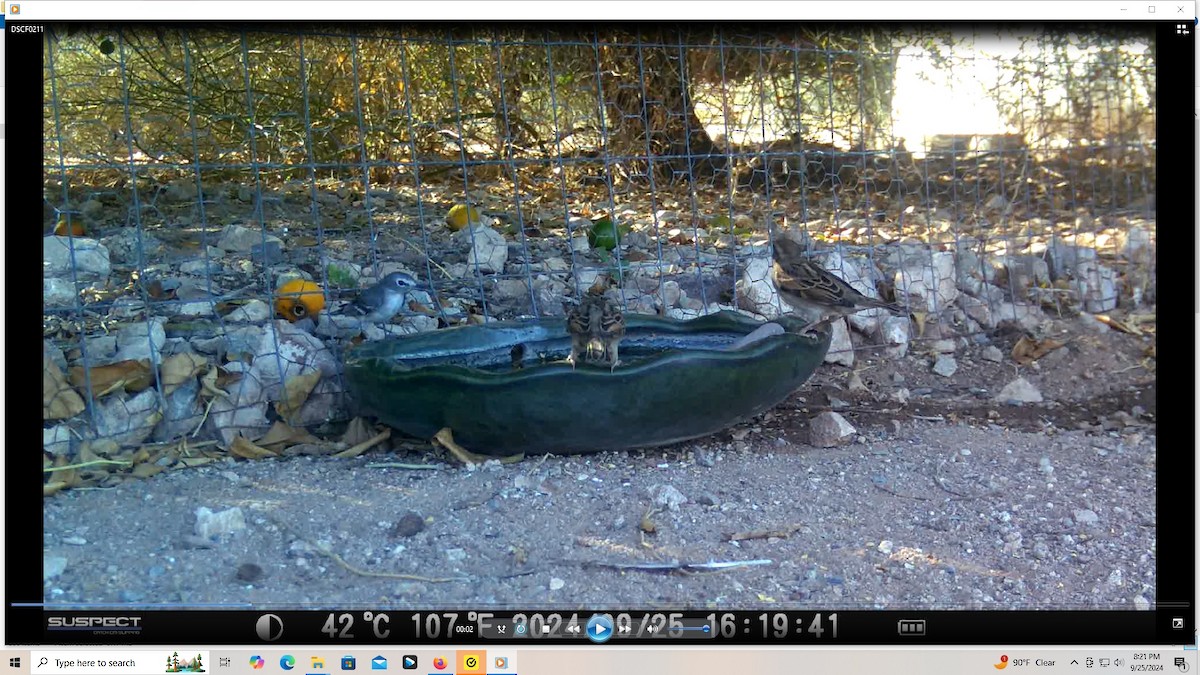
column 599, row 628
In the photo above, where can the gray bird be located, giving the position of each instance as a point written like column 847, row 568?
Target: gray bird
column 379, row 303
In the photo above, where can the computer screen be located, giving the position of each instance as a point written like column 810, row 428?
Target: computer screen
column 575, row 339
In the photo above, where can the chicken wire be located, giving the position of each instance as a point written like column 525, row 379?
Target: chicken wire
column 189, row 174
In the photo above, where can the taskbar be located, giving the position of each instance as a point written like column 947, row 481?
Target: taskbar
column 148, row 626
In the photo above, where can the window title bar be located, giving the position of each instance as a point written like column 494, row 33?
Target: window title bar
column 601, row 10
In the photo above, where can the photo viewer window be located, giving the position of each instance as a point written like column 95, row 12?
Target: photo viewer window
column 599, row 337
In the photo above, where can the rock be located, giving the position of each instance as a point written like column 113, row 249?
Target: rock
column 667, row 497
column 1096, row 286
column 756, row 291
column 944, row 346
column 1086, row 517
column 928, row 282
column 1018, row 273
column 182, row 412
column 182, row 190
column 895, row 334
column 100, row 349
column 671, row 293
column 666, row 216
column 238, row 239
column 57, row 440
column 49, row 351
column 945, row 365
column 267, row 254
column 1137, row 246
column 841, row 349
column 142, row 340
column 58, row 292
column 243, row 412
column 1064, row 258
column 52, row 566
column 1141, row 604
column 485, row 248
column 286, row 351
column 580, row 244
column 127, row 421
column 993, row 354
column 210, row 525
column 829, row 429
column 1019, row 391
column 132, row 247
column 1026, row 317
column 512, row 289
column 979, row 311
column 88, row 259
column 200, row 268
column 254, row 311
column 339, row 326
column 194, row 309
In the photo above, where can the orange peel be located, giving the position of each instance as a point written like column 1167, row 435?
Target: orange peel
column 298, row 299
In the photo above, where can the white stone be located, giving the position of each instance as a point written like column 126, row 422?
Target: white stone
column 1019, row 391
column 127, row 421
column 57, row 439
column 756, row 291
column 829, row 429
column 841, row 349
column 896, row 334
column 929, row 282
column 87, row 257
column 210, row 525
column 239, row 239
column 134, row 341
column 254, row 311
column 58, row 292
column 487, row 248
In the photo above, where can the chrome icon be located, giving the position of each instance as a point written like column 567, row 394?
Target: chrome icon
column 256, row 662
column 287, row 662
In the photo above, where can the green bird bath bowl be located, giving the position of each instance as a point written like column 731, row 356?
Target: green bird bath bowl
column 677, row 380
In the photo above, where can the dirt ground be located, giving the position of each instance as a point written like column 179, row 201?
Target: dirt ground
column 947, row 501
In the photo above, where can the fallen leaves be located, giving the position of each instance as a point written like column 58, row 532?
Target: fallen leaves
column 130, row 376
column 59, row 400
column 1028, row 350
column 295, row 392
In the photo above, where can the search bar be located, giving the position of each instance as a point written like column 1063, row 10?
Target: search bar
column 118, row 662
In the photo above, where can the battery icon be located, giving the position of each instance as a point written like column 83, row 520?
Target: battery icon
column 910, row 627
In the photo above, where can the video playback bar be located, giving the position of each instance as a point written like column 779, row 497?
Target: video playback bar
column 474, row 627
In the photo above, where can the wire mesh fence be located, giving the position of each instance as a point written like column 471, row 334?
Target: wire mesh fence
column 215, row 201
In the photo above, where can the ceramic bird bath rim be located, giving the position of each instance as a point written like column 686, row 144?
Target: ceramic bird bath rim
column 678, row 379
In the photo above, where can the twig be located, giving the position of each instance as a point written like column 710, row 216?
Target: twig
column 83, row 465
column 401, row 465
column 782, row 533
column 359, row 449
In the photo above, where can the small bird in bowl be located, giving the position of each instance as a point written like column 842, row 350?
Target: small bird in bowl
column 384, row 300
column 813, row 290
column 596, row 326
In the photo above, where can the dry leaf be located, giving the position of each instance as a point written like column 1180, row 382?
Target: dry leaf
column 209, row 384
column 1117, row 324
column 145, row 470
column 59, row 400
column 178, row 369
column 295, row 393
column 357, row 431
column 131, row 376
column 244, row 448
column 1028, row 350
column 282, row 435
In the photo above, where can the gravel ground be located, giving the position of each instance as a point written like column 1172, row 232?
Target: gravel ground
column 947, row 502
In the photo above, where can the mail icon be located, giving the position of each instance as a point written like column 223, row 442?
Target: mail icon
column 378, row 663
